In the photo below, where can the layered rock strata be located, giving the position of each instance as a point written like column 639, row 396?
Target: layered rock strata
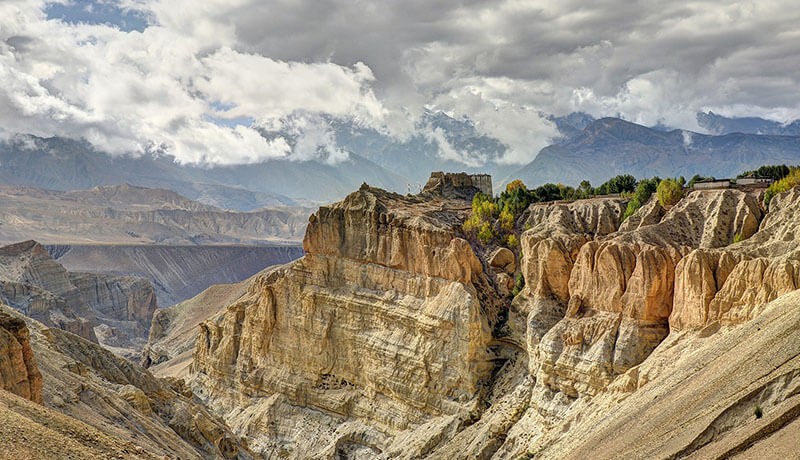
column 550, row 246
column 117, row 310
column 86, row 382
column 384, row 340
column 378, row 328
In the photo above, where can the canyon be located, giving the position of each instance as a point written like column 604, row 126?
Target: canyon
column 669, row 334
column 395, row 336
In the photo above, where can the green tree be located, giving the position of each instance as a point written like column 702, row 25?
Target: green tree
column 669, row 192
column 776, row 172
column 644, row 189
column 624, row 183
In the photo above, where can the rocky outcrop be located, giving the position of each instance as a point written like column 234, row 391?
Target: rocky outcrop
column 390, row 338
column 731, row 286
column 173, row 331
column 116, row 310
column 86, row 382
column 697, row 396
column 380, row 327
column 19, row 373
column 125, row 304
column 177, row 273
column 31, row 281
column 621, row 290
column 550, row 245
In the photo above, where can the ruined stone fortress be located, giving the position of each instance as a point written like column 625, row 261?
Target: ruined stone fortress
column 456, row 184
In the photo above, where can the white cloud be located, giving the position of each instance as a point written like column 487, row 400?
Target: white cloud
column 186, row 82
column 523, row 130
column 131, row 92
column 448, row 152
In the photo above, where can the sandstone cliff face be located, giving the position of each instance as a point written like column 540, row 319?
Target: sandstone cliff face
column 731, row 286
column 550, row 247
column 173, row 331
column 378, row 328
column 19, row 373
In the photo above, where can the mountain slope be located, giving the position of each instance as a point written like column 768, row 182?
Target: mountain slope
column 611, row 146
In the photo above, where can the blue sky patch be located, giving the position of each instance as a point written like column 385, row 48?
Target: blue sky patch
column 97, row 12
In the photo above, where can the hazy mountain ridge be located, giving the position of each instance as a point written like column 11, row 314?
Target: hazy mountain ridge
column 718, row 124
column 128, row 214
column 606, row 147
column 65, row 164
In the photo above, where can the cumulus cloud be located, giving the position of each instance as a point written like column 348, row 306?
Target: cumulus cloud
column 202, row 79
column 161, row 91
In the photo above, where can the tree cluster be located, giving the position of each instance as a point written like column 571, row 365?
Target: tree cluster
column 792, row 179
column 776, row 172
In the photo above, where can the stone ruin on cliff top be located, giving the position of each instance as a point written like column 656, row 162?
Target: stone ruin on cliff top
column 458, row 185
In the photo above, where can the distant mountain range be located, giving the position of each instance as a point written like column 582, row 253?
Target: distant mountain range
column 611, row 146
column 586, row 149
column 717, row 124
column 65, row 164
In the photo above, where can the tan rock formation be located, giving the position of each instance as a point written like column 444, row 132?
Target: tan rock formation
column 19, row 373
column 731, row 286
column 380, row 326
column 651, row 213
column 116, row 310
column 621, row 290
column 503, row 259
column 174, row 330
column 550, row 247
column 695, row 397
column 377, row 344
column 86, row 382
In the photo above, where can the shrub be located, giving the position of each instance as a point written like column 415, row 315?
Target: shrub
column 512, row 242
column 485, row 233
column 669, row 192
column 737, row 237
column 758, row 412
column 519, row 284
column 506, row 220
column 644, row 189
column 792, row 180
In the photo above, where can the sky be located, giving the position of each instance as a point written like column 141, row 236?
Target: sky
column 203, row 80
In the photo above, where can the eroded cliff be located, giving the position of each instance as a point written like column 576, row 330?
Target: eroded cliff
column 115, row 310
column 379, row 327
column 114, row 408
column 389, row 338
